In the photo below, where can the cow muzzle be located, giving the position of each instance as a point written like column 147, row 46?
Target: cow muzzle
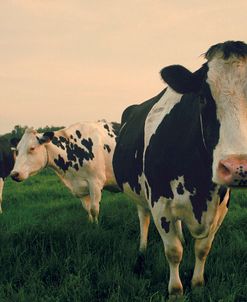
column 232, row 171
column 15, row 176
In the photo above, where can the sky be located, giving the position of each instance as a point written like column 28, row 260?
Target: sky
column 67, row 61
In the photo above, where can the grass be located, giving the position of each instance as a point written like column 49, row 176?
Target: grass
column 49, row 252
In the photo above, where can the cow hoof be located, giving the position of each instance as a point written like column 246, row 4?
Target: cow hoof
column 197, row 284
column 139, row 266
column 176, row 298
column 197, row 293
column 176, row 293
column 93, row 220
column 90, row 218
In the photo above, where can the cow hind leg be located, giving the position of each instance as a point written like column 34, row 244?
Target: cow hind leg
column 95, row 196
column 1, row 193
column 203, row 246
column 144, row 219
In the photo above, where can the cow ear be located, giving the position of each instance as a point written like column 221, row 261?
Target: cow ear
column 46, row 137
column 14, row 142
column 177, row 77
column 182, row 80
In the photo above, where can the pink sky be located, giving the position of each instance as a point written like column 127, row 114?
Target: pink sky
column 67, row 61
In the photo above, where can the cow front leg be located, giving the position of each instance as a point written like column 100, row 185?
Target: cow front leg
column 144, row 220
column 173, row 252
column 203, row 246
column 86, row 203
column 1, row 193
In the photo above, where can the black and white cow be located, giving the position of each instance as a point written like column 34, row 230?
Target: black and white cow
column 179, row 152
column 7, row 159
column 81, row 155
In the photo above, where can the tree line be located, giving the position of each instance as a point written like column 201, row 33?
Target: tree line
column 19, row 130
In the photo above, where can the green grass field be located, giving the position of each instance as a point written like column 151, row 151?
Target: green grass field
column 49, row 252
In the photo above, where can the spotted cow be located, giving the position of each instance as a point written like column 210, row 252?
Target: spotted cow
column 81, row 156
column 178, row 154
column 7, row 159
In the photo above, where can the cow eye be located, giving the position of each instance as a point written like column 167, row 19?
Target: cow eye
column 32, row 149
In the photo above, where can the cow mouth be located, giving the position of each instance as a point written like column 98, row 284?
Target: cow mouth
column 242, row 183
column 16, row 179
column 16, row 176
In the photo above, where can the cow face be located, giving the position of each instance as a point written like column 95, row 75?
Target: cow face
column 220, row 87
column 31, row 154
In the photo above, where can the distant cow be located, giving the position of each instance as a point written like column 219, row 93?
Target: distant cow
column 179, row 152
column 7, row 158
column 81, row 155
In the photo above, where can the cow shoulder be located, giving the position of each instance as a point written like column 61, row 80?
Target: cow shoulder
column 75, row 146
column 128, row 112
column 128, row 157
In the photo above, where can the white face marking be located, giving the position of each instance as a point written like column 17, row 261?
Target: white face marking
column 228, row 83
column 31, row 155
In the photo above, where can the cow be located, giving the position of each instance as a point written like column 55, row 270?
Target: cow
column 7, row 159
column 179, row 153
column 81, row 155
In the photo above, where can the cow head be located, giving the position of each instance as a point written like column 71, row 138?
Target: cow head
column 220, row 88
column 31, row 154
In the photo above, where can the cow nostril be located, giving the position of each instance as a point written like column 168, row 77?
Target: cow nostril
column 15, row 175
column 224, row 170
